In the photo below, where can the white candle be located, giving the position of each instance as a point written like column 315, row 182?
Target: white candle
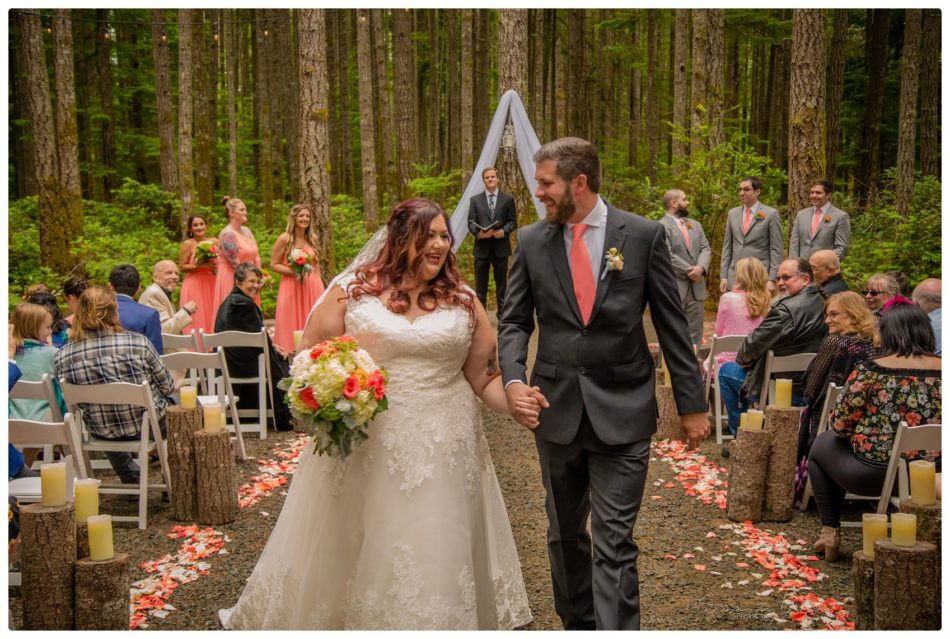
column 783, row 393
column 923, row 482
column 87, row 498
column 189, row 395
column 744, row 421
column 100, row 537
column 53, row 484
column 903, row 529
column 755, row 419
column 873, row 527
column 212, row 417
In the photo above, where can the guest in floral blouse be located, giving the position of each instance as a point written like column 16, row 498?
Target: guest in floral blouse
column 901, row 385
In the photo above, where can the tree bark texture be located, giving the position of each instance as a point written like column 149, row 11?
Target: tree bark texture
column 806, row 130
column 562, row 55
column 102, row 593
column 264, row 96
column 384, row 109
column 907, row 127
column 186, row 172
column 165, row 111
column 204, row 115
column 698, row 98
column 364, row 61
column 47, row 558
column 82, row 539
column 183, row 423
column 750, row 459
column 905, row 586
column 780, row 480
column 67, row 132
column 513, row 51
column 930, row 93
column 652, row 108
column 453, row 147
column 876, row 48
column 836, row 60
column 231, row 59
column 780, row 73
column 578, row 101
column 467, row 123
column 403, row 72
column 634, row 106
column 668, row 425
column 680, row 139
column 110, row 178
column 862, row 588
column 216, row 479
column 314, row 154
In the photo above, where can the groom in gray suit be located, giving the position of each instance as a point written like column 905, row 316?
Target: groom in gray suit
column 821, row 226
column 690, row 254
column 587, row 273
column 752, row 230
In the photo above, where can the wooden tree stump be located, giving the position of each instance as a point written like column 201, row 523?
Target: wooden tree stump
column 217, row 483
column 47, row 558
column 780, row 477
column 668, row 425
column 928, row 521
column 102, row 593
column 862, row 587
column 82, row 539
column 750, row 457
column 905, row 587
column 182, row 425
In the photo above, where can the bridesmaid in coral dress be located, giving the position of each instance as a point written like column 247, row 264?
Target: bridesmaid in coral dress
column 237, row 245
column 198, row 285
column 296, row 296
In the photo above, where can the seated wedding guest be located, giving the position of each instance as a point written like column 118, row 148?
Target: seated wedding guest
column 879, row 288
column 138, row 318
column 927, row 296
column 743, row 308
column 795, row 324
column 16, row 466
column 158, row 296
column 40, row 294
column 850, row 341
column 100, row 351
column 239, row 312
column 32, row 328
column 827, row 270
column 72, row 289
column 902, row 384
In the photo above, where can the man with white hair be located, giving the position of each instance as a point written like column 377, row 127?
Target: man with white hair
column 927, row 296
column 158, row 296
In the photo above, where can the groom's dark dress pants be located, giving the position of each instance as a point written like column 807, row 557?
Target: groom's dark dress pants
column 585, row 477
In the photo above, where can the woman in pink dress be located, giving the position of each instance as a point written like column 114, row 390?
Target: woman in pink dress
column 296, row 295
column 744, row 307
column 198, row 285
column 237, row 245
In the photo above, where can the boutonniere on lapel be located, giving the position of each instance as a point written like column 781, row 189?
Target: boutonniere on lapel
column 827, row 218
column 614, row 259
column 760, row 215
column 689, row 226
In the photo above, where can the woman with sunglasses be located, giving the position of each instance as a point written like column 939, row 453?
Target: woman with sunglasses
column 879, row 288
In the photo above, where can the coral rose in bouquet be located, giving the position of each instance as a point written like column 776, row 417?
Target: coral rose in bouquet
column 336, row 389
column 205, row 252
column 299, row 263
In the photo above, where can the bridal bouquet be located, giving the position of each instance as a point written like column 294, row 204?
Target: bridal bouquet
column 205, row 252
column 299, row 263
column 336, row 389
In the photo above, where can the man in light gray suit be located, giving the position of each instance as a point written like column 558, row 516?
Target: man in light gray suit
column 752, row 230
column 690, row 254
column 820, row 226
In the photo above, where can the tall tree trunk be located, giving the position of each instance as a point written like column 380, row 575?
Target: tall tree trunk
column 578, row 101
column 680, row 90
column 537, row 76
column 482, row 89
column 930, row 93
column 836, row 60
column 84, row 39
column 110, row 180
column 635, row 108
column 454, row 88
column 186, row 173
column 652, row 108
column 231, row 59
column 432, row 125
column 24, row 157
column 550, row 82
column 54, row 226
column 467, row 94
column 876, row 34
column 165, row 110
column 402, row 66
column 346, row 152
column 513, row 74
column 364, row 60
column 288, row 101
column 204, row 147
column 66, row 129
column 763, row 61
column 128, row 35
column 806, row 132
column 708, row 53
column 562, row 54
column 314, row 154
column 778, row 109
column 384, row 108
column 907, row 128
column 263, row 96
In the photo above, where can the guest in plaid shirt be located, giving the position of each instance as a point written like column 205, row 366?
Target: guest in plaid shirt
column 99, row 351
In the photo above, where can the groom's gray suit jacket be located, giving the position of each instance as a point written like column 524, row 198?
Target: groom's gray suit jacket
column 606, row 365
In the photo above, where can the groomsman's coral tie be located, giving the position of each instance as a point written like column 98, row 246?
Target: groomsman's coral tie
column 815, row 222
column 584, row 289
column 682, row 225
column 748, row 221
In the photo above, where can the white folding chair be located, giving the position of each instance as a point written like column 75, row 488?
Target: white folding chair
column 775, row 364
column 40, row 391
column 831, row 397
column 233, row 339
column 121, row 393
column 719, row 344
column 175, row 342
column 58, row 433
column 923, row 437
column 204, row 369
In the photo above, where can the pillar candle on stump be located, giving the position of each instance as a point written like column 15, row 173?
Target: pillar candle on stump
column 755, row 419
column 100, row 537
column 87, row 499
column 212, row 417
column 923, row 482
column 783, row 393
column 189, row 396
column 53, row 484
column 743, row 421
column 873, row 527
column 903, row 529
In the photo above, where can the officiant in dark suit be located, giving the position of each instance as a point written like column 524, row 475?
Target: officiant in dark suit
column 491, row 219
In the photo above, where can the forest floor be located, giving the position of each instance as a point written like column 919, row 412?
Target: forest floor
column 698, row 570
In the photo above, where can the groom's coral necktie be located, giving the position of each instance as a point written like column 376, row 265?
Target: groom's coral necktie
column 584, row 289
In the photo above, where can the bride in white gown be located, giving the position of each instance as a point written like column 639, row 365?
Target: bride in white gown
column 410, row 532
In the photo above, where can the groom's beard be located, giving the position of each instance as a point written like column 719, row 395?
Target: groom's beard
column 682, row 211
column 564, row 212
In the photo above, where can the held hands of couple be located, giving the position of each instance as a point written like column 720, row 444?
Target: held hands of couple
column 525, row 403
column 696, row 426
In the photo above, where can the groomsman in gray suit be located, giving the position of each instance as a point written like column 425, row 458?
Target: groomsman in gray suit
column 820, row 226
column 752, row 230
column 690, row 254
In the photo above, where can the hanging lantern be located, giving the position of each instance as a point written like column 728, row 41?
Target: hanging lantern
column 508, row 140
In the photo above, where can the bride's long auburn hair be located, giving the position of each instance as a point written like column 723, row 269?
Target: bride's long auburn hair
column 409, row 225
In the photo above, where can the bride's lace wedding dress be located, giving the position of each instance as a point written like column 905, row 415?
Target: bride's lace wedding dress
column 411, row 531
